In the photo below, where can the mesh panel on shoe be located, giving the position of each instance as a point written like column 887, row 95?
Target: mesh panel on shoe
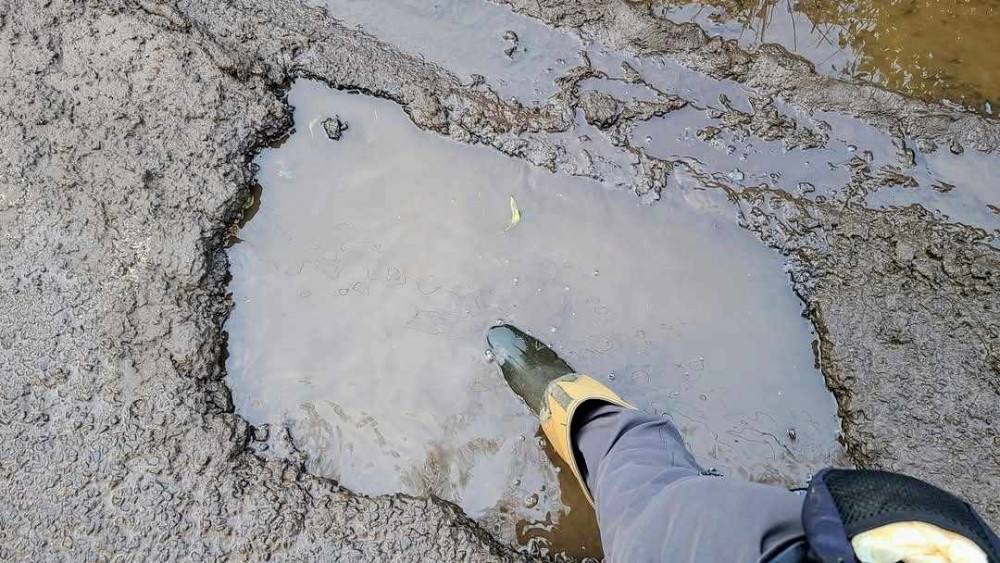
column 869, row 499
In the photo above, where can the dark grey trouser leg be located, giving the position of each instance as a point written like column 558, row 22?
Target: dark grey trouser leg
column 654, row 504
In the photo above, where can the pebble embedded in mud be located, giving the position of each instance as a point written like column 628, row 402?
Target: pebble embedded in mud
column 599, row 109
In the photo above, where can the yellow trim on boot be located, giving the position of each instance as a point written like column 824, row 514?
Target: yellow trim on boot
column 562, row 398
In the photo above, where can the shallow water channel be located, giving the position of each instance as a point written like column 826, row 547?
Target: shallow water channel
column 365, row 282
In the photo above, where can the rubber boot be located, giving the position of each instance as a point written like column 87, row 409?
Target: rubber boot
column 527, row 363
column 549, row 386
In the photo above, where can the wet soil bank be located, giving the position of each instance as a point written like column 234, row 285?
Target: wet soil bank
column 125, row 136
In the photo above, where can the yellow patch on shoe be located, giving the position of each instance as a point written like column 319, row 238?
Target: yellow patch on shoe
column 563, row 397
column 915, row 542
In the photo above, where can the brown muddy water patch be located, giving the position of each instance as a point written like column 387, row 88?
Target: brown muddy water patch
column 926, row 48
column 366, row 280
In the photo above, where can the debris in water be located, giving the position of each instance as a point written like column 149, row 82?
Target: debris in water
column 708, row 133
column 943, row 187
column 334, row 127
column 792, row 434
column 530, row 501
column 515, row 214
column 512, row 37
column 806, row 188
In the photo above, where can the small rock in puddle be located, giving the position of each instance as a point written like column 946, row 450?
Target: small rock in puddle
column 334, row 127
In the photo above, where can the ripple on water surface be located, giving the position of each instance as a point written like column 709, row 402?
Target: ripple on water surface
column 367, row 279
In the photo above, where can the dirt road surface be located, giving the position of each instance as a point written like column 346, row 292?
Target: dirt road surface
column 126, row 133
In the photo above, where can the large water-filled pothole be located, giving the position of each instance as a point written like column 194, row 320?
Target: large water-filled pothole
column 365, row 283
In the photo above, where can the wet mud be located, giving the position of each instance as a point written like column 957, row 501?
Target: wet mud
column 128, row 134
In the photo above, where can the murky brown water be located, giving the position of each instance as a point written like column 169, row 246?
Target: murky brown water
column 365, row 283
column 933, row 49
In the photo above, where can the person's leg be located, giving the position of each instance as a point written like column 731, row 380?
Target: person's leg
column 655, row 504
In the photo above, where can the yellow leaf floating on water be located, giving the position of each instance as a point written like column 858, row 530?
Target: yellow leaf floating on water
column 515, row 214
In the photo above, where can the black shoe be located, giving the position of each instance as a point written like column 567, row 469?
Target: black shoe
column 527, row 363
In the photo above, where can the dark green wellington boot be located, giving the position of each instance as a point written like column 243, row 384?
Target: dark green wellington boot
column 527, row 363
column 550, row 388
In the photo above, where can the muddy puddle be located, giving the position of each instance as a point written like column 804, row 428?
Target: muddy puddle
column 365, row 282
column 926, row 48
